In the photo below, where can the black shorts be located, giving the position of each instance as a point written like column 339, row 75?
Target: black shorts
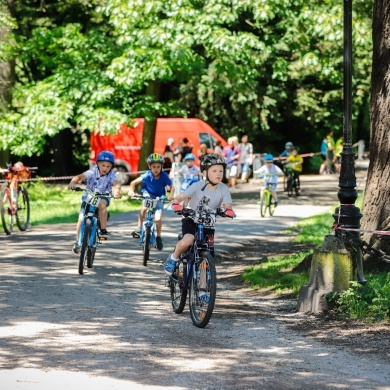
column 188, row 227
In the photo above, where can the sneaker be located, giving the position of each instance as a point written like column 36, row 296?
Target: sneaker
column 276, row 202
column 136, row 233
column 204, row 298
column 76, row 248
column 170, row 265
column 159, row 243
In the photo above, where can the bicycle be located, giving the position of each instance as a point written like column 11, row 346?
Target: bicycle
column 195, row 271
column 292, row 182
column 267, row 201
column 89, row 229
column 147, row 238
column 15, row 201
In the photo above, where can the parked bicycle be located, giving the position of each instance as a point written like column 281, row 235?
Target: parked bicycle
column 195, row 271
column 292, row 181
column 267, row 202
column 15, row 202
column 89, row 236
column 147, row 238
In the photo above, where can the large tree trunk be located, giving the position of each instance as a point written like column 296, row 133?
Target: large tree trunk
column 376, row 205
column 153, row 90
column 7, row 73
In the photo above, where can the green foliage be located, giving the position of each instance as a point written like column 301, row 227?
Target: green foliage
column 275, row 274
column 370, row 302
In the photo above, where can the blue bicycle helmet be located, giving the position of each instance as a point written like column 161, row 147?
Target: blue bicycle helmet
column 106, row 155
column 289, row 145
column 189, row 157
column 268, row 157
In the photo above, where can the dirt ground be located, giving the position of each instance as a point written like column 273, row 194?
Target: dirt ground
column 328, row 327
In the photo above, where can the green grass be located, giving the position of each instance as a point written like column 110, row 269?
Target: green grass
column 51, row 204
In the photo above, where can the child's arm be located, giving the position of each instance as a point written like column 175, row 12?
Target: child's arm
column 77, row 179
column 171, row 192
column 116, row 190
column 133, row 184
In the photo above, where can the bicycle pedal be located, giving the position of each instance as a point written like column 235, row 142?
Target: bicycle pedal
column 103, row 238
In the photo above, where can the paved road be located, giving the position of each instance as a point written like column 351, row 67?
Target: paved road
column 113, row 328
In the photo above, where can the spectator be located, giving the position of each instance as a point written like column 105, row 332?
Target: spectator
column 232, row 156
column 168, row 158
column 183, row 149
column 330, row 152
column 218, row 147
column 323, row 148
column 202, row 151
column 337, row 153
column 246, row 158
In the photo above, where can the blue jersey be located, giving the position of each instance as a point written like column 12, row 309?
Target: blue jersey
column 155, row 187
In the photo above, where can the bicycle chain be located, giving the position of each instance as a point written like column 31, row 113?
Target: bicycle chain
column 365, row 247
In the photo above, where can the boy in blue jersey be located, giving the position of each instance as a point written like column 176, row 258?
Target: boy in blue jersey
column 154, row 184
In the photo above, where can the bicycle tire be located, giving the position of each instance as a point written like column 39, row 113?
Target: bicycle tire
column 178, row 290
column 285, row 179
column 272, row 206
column 84, row 246
column 206, row 281
column 7, row 219
column 290, row 186
column 263, row 203
column 146, row 244
column 23, row 210
column 90, row 257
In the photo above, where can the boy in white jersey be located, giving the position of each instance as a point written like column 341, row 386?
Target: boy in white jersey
column 212, row 166
column 101, row 179
column 190, row 172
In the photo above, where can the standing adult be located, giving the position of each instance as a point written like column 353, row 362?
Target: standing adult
column 232, row 156
column 323, row 152
column 330, row 152
column 218, row 147
column 183, row 149
column 246, row 158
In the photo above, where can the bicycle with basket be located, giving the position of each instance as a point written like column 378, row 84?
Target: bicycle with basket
column 15, row 201
column 147, row 237
column 89, row 236
column 195, row 271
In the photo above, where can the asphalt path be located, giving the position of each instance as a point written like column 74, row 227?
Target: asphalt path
column 113, row 328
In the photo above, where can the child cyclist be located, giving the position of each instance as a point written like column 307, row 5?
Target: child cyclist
column 295, row 161
column 270, row 172
column 190, row 172
column 154, row 184
column 212, row 165
column 101, row 179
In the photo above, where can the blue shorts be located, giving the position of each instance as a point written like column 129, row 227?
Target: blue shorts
column 272, row 185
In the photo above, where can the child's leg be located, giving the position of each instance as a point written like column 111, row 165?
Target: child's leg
column 81, row 216
column 141, row 216
column 158, row 220
column 273, row 193
column 183, row 245
column 103, row 214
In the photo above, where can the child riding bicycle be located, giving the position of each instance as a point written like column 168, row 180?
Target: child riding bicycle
column 101, row 179
column 190, row 172
column 270, row 172
column 295, row 161
column 154, row 183
column 212, row 166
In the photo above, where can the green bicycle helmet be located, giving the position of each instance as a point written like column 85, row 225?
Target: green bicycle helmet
column 155, row 158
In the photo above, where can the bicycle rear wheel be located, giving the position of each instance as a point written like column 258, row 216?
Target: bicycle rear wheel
column 23, row 210
column 203, row 289
column 7, row 218
column 263, row 203
column 146, row 244
column 178, row 288
column 84, row 246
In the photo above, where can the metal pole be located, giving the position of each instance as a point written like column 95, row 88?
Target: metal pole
column 347, row 214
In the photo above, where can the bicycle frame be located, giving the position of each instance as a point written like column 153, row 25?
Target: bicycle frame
column 266, row 201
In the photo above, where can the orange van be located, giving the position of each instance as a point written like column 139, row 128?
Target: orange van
column 126, row 144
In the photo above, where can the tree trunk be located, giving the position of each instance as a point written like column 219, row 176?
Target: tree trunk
column 7, row 73
column 376, row 205
column 152, row 90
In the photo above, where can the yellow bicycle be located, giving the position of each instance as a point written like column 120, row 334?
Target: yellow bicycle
column 267, row 202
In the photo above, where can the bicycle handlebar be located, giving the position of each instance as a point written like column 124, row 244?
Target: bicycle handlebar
column 103, row 194
column 188, row 212
column 141, row 197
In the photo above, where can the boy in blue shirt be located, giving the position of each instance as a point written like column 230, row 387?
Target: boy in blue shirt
column 154, row 184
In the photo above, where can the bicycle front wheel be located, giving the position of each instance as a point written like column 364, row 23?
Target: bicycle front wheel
column 7, row 218
column 263, row 203
column 146, row 245
column 84, row 246
column 272, row 206
column 23, row 210
column 290, row 186
column 177, row 283
column 203, row 290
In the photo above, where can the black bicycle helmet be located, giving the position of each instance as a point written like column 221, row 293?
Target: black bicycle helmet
column 208, row 160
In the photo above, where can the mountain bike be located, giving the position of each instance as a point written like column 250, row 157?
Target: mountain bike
column 15, row 202
column 195, row 271
column 89, row 229
column 292, row 182
column 147, row 238
column 267, row 201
